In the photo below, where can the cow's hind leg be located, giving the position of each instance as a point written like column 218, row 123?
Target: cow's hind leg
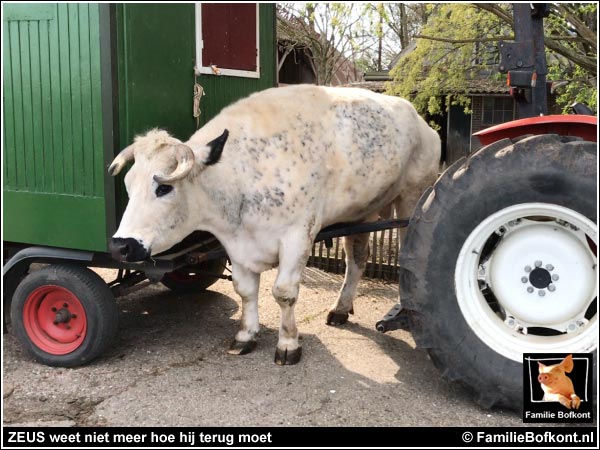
column 246, row 285
column 293, row 254
column 357, row 253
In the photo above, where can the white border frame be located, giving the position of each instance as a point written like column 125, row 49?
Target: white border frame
column 199, row 69
column 558, row 358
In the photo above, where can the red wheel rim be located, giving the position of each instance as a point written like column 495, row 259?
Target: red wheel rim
column 183, row 277
column 54, row 320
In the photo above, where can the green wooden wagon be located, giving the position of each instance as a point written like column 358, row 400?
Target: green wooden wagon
column 80, row 81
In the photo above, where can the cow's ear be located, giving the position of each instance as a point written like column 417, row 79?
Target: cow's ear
column 216, row 148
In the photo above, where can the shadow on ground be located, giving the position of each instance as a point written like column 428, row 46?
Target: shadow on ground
column 169, row 367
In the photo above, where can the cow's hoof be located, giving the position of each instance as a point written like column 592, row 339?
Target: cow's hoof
column 241, row 348
column 336, row 318
column 287, row 357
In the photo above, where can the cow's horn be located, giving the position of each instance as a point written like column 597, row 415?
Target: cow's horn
column 120, row 160
column 185, row 163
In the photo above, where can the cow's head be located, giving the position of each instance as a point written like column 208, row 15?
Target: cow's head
column 159, row 188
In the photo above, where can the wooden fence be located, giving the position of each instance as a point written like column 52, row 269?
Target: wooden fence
column 383, row 258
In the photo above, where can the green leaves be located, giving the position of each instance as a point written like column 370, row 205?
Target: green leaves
column 458, row 43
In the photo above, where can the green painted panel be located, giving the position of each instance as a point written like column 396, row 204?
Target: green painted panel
column 36, row 106
column 9, row 158
column 156, row 68
column 53, row 144
column 34, row 218
column 66, row 97
column 27, row 11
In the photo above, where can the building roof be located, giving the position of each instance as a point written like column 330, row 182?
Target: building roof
column 375, row 86
column 290, row 34
column 486, row 86
column 473, row 87
column 382, row 75
column 292, row 30
column 411, row 47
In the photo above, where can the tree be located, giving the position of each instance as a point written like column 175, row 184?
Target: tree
column 405, row 20
column 571, row 37
column 571, row 31
column 394, row 25
column 458, row 44
column 331, row 34
column 370, row 35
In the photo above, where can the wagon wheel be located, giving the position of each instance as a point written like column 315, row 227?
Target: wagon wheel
column 196, row 278
column 500, row 260
column 64, row 315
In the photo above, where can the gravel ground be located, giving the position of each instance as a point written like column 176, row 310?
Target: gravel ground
column 168, row 366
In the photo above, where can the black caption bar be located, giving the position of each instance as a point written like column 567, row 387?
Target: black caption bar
column 299, row 437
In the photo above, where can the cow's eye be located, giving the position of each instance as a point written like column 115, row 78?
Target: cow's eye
column 163, row 189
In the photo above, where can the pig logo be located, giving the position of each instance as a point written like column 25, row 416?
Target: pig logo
column 557, row 386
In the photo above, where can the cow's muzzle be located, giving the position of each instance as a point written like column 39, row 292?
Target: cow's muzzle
column 127, row 249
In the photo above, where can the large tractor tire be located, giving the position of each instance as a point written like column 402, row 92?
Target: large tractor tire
column 500, row 260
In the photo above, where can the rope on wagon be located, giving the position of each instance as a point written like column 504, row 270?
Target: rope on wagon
column 198, row 93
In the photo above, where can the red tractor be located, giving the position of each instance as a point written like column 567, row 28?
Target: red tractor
column 500, row 257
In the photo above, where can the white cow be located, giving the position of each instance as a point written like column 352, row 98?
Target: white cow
column 265, row 176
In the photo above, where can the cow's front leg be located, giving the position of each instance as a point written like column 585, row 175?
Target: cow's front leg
column 246, row 285
column 357, row 253
column 292, row 260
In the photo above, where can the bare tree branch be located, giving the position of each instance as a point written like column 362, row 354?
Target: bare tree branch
column 288, row 50
column 489, row 39
column 463, row 41
column 582, row 29
column 327, row 32
column 586, row 62
column 496, row 10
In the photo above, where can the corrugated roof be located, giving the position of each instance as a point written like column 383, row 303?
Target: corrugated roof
column 375, row 86
column 486, row 86
column 473, row 87
column 284, row 26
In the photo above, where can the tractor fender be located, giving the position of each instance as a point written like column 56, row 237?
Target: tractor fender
column 578, row 125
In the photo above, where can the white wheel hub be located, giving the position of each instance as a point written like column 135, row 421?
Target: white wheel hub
column 526, row 277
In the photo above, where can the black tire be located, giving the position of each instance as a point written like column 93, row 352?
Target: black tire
column 181, row 282
column 546, row 169
column 92, row 297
